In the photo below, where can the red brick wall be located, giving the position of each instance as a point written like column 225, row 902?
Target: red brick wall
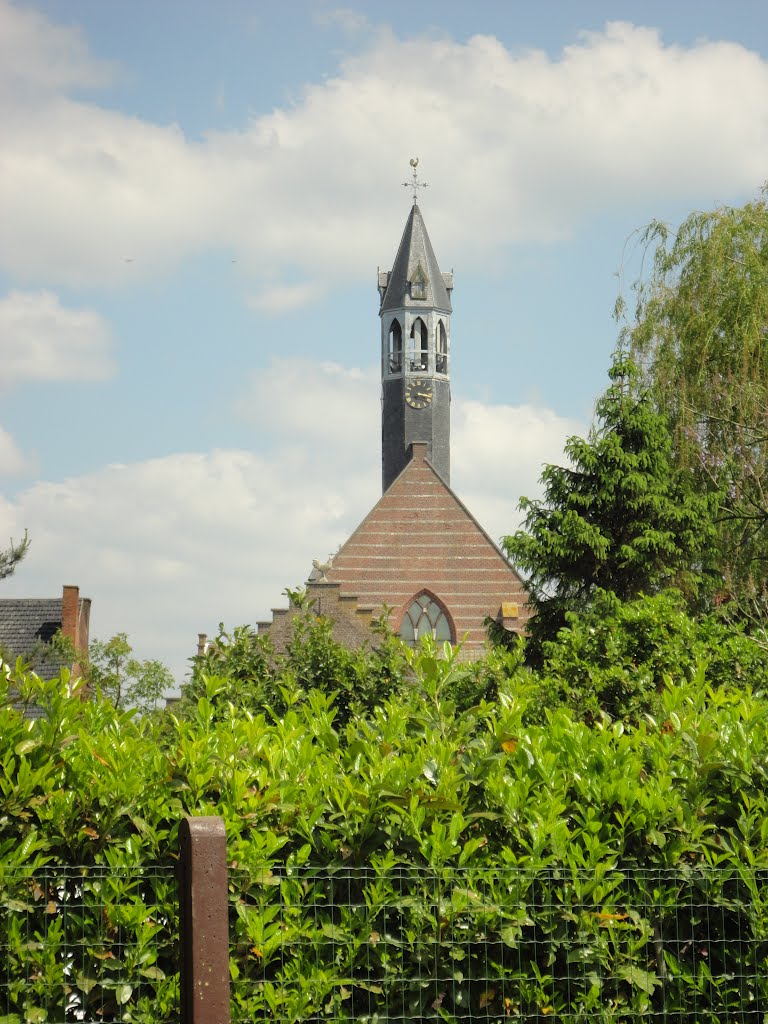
column 419, row 536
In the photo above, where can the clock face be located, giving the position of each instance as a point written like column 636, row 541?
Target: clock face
column 418, row 393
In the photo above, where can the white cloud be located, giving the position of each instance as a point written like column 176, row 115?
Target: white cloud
column 169, row 547
column 42, row 340
column 524, row 145
column 38, row 55
column 350, row 21
column 331, row 407
column 490, row 441
column 285, row 297
column 11, row 459
column 208, row 537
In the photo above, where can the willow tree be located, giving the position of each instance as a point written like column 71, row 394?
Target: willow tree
column 700, row 335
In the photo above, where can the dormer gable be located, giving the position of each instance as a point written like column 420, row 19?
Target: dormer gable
column 418, row 283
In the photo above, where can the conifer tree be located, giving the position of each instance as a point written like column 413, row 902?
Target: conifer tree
column 618, row 518
column 12, row 555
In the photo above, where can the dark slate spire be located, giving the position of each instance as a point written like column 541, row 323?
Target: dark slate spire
column 416, row 251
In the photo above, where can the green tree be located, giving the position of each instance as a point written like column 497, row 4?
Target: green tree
column 699, row 334
column 253, row 676
column 124, row 680
column 617, row 657
column 618, row 518
column 244, row 665
column 13, row 554
column 109, row 668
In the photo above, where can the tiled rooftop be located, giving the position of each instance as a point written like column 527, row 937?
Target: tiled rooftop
column 27, row 624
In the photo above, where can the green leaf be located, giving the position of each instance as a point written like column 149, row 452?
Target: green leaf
column 17, row 906
column 302, row 855
column 123, row 993
column 153, row 972
column 644, row 980
column 86, row 982
column 25, row 746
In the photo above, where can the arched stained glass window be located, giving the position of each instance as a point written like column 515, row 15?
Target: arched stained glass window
column 425, row 617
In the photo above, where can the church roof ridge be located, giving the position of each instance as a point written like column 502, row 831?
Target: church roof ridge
column 415, row 250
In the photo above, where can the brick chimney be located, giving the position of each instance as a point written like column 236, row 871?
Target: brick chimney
column 75, row 621
column 70, row 613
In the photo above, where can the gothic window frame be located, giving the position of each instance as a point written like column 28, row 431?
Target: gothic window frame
column 418, row 356
column 434, row 611
column 395, row 347
column 441, row 348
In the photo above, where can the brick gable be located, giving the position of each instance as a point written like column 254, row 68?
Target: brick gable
column 420, row 537
column 351, row 622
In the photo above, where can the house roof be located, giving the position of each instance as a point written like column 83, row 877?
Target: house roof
column 27, row 624
column 415, row 251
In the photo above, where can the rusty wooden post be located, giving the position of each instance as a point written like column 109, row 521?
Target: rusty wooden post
column 204, row 921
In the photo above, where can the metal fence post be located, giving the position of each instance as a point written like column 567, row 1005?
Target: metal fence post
column 204, row 923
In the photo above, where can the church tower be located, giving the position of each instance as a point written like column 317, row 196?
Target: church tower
column 419, row 557
column 415, row 354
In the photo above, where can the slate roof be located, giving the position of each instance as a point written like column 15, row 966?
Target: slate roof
column 415, row 250
column 26, row 624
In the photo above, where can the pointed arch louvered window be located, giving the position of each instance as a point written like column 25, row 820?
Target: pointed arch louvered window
column 441, row 355
column 395, row 356
column 418, row 347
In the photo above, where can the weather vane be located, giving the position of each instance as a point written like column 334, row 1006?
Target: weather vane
column 415, row 184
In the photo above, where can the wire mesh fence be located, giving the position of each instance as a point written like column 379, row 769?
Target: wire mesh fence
column 88, row 944
column 395, row 943
column 398, row 944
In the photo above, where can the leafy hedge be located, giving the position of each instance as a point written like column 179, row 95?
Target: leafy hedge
column 614, row 656
column 446, row 825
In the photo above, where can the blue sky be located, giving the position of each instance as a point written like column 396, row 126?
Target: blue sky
column 194, row 201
